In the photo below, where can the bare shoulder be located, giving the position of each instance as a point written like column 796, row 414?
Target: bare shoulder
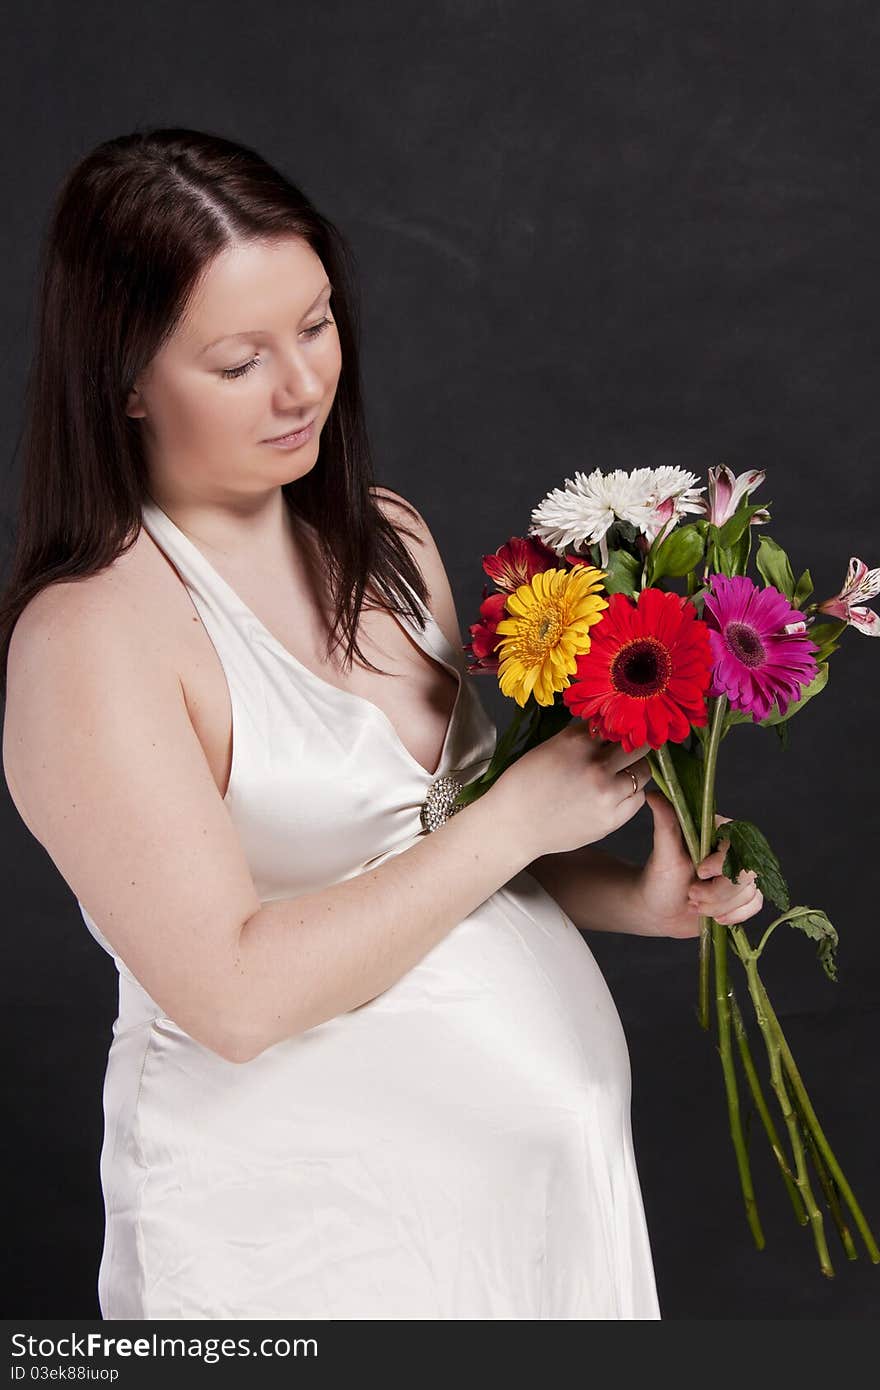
column 108, row 609
column 108, row 774
column 426, row 554
column 71, row 634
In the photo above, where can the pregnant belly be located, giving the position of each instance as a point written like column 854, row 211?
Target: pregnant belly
column 504, row 1023
column 458, row 1146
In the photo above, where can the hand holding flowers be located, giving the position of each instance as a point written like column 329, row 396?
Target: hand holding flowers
column 585, row 626
column 675, row 896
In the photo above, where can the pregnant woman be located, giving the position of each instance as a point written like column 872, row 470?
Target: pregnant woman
column 365, row 1064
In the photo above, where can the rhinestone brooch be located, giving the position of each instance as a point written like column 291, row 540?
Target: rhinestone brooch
column 438, row 806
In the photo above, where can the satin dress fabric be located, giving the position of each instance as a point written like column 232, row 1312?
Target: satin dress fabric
column 459, row 1147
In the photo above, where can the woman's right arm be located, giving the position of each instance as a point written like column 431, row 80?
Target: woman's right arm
column 105, row 768
column 299, row 961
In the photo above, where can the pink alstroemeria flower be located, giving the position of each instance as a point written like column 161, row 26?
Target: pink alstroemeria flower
column 726, row 491
column 861, row 583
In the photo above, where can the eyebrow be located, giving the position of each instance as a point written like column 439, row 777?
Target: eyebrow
column 255, row 332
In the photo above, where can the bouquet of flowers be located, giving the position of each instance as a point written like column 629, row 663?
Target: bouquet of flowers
column 583, row 623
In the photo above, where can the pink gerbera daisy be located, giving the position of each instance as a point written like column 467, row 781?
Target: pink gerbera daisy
column 759, row 645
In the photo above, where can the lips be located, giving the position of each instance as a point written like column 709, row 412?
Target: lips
column 298, row 429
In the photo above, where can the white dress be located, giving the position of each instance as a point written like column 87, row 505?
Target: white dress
column 458, row 1147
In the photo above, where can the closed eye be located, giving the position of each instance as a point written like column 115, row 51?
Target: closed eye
column 232, row 373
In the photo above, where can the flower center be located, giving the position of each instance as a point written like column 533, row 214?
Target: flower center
column 543, row 635
column 745, row 644
column 641, row 668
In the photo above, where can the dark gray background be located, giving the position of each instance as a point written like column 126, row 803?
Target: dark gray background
column 589, row 236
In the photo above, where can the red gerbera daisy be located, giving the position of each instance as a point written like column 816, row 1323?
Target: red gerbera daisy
column 645, row 677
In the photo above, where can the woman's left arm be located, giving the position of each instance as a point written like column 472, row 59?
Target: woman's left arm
column 598, row 891
column 664, row 897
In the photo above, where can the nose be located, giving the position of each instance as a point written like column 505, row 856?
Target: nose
column 299, row 382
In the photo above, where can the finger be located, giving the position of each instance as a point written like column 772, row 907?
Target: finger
column 596, row 744
column 717, row 875
column 720, row 891
column 616, row 757
column 718, row 905
column 642, row 774
column 742, row 913
column 713, row 863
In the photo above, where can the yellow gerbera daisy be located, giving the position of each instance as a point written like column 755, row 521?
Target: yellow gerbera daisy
column 546, row 630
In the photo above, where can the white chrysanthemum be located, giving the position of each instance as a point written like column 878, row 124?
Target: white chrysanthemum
column 678, row 483
column 581, row 513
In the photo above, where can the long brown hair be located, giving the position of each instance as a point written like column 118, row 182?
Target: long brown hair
column 133, row 226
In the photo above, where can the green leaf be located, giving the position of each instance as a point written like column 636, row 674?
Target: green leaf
column 689, row 771
column 676, row 555
column 735, row 526
column 818, row 683
column 626, row 531
column 720, row 561
column 733, row 717
column 803, row 589
column 825, row 634
column 782, row 732
column 774, row 566
column 525, row 722
column 750, row 850
column 502, row 754
column 736, row 716
column 551, row 719
column 622, row 573
column 814, row 923
column 740, row 553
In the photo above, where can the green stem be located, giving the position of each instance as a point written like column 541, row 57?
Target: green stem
column 704, row 968
column 763, row 1109
column 503, row 755
column 828, row 1185
column 736, row 1133
column 698, row 850
column 691, row 839
column 811, row 1119
column 767, row 934
column 677, row 796
column 708, row 933
column 771, row 1042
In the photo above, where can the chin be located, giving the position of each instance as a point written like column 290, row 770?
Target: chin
column 298, row 466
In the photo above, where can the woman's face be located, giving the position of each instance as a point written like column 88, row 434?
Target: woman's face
column 255, row 356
